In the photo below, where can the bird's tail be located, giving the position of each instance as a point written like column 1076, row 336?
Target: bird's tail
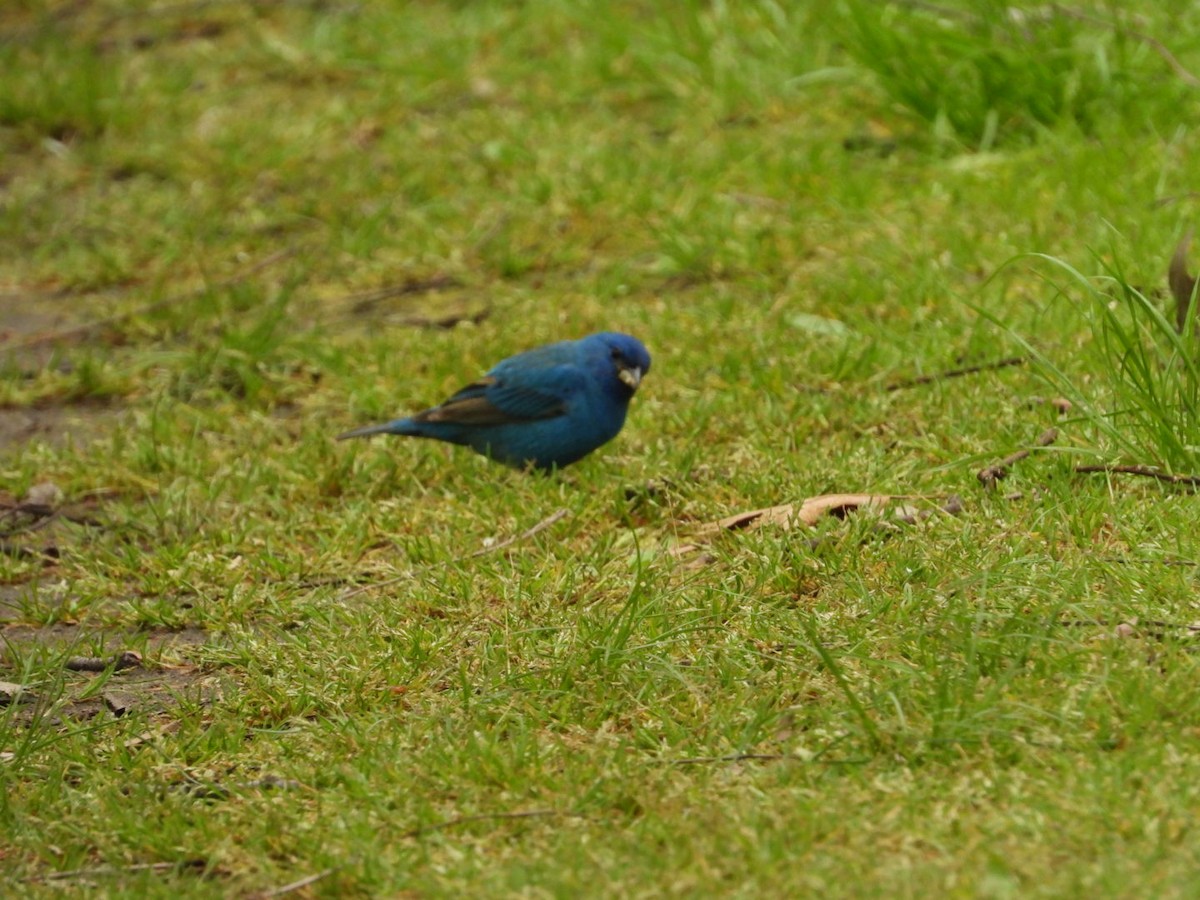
column 368, row 430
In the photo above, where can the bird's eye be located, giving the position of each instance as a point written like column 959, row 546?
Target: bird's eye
column 615, row 353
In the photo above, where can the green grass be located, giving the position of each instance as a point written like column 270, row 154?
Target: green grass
column 258, row 209
column 1140, row 404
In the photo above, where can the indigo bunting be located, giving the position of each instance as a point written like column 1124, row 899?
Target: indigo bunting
column 546, row 407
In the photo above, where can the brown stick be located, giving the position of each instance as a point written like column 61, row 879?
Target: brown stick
column 294, row 886
column 128, row 659
column 1182, row 284
column 1144, row 471
column 1136, row 622
column 118, row 870
column 989, row 475
column 43, row 516
column 1133, row 561
column 735, row 757
column 367, row 299
column 958, row 373
column 1153, row 43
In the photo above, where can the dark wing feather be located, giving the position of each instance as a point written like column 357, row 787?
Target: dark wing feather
column 500, row 400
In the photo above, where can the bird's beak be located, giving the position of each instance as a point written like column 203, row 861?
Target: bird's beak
column 631, row 376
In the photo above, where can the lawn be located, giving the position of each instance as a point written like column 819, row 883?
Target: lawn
column 874, row 249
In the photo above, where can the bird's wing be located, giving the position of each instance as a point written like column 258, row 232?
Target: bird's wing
column 501, row 399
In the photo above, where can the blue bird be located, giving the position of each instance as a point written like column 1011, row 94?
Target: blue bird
column 546, row 407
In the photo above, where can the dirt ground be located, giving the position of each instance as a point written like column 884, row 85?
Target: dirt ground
column 142, row 671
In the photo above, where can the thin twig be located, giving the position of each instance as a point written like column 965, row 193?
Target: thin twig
column 1133, row 560
column 372, row 586
column 69, row 874
column 332, row 581
column 363, row 302
column 1135, row 621
column 485, row 817
column 1144, row 471
column 1153, row 43
column 989, row 475
column 295, row 885
column 77, row 331
column 41, row 520
column 37, row 510
column 736, row 757
column 449, row 320
column 41, row 515
column 556, row 516
column 958, row 373
column 47, row 552
column 1135, row 627
column 768, row 757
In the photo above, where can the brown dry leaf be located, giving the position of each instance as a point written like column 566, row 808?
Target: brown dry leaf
column 787, row 516
column 15, row 693
column 1182, row 284
column 119, row 703
column 47, row 494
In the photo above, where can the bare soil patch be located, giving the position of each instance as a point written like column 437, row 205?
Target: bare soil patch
column 144, row 671
column 56, row 425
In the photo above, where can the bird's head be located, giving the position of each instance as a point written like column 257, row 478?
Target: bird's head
column 626, row 355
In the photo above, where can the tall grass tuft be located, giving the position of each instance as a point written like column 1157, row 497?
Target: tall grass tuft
column 1136, row 389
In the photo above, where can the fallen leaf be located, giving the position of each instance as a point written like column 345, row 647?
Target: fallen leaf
column 808, row 513
column 15, row 693
column 1182, row 284
column 45, row 494
column 789, row 515
column 786, row 516
column 119, row 703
